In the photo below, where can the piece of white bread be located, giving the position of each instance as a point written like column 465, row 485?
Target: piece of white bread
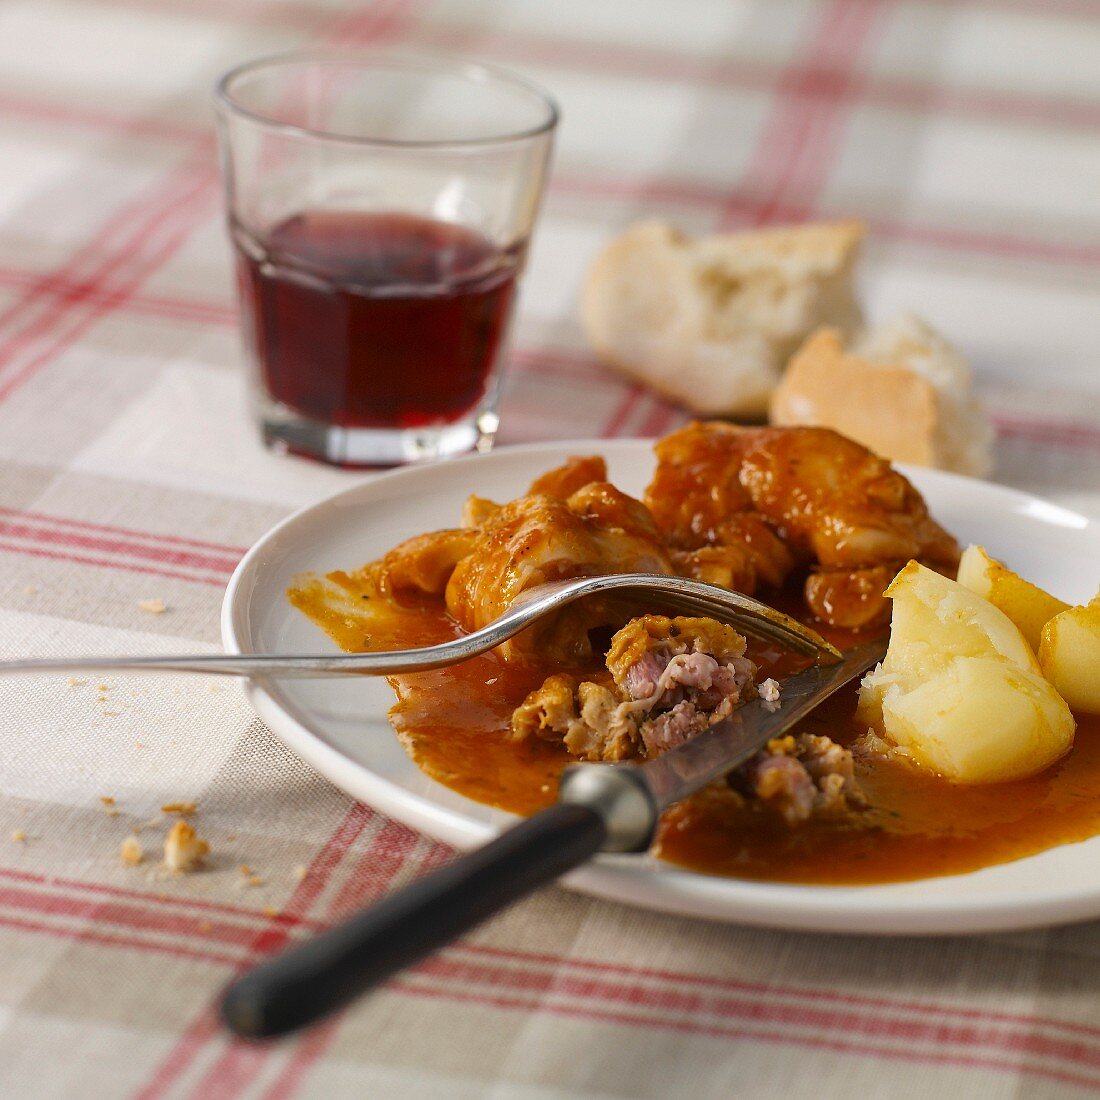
column 900, row 389
column 710, row 322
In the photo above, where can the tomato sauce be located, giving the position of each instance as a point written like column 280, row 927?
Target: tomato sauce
column 454, row 723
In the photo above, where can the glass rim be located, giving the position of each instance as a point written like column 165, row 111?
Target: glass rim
column 410, row 61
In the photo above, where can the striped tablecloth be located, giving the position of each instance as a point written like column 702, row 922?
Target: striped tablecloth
column 966, row 134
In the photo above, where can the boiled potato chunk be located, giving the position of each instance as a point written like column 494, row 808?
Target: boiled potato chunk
column 1026, row 604
column 959, row 691
column 1070, row 656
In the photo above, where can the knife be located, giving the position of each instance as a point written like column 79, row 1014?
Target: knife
column 600, row 808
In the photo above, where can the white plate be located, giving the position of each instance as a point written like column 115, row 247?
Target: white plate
column 340, row 727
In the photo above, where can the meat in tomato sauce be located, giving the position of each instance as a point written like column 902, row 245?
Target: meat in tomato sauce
column 802, row 517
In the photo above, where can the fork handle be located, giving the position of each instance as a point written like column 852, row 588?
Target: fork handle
column 341, row 664
column 319, row 976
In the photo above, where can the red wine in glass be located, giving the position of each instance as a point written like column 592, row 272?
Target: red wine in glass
column 375, row 320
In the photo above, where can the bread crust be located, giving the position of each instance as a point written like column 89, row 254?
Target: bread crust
column 889, row 409
column 901, row 390
column 710, row 322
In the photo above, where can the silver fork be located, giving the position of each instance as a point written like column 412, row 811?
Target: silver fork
column 636, row 592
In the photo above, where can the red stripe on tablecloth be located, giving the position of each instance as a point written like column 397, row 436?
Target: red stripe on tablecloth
column 1070, row 434
column 381, row 19
column 202, row 905
column 130, row 532
column 626, row 406
column 103, row 563
column 447, row 969
column 800, row 135
column 309, row 1050
column 456, row 972
column 90, row 117
column 203, row 1028
column 996, row 104
column 127, row 943
column 914, row 96
column 906, row 94
column 664, row 1001
column 987, row 243
column 846, row 43
column 318, row 875
column 157, row 305
column 40, row 534
column 748, row 74
column 861, row 1049
column 132, row 918
column 62, row 292
column 178, row 215
column 67, row 282
column 200, row 1032
column 380, row 865
column 643, row 61
column 385, row 856
column 438, row 854
column 295, row 16
column 661, row 418
column 810, row 994
column 672, row 192
column 179, row 218
column 1082, row 9
column 948, row 238
column 555, row 360
column 789, row 138
column 241, row 1061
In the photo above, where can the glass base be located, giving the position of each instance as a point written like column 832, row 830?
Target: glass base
column 288, row 433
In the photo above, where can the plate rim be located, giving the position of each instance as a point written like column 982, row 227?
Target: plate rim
column 642, row 880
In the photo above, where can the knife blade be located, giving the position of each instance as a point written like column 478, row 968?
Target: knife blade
column 601, row 807
column 631, row 797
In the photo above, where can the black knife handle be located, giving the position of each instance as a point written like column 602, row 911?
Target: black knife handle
column 315, row 978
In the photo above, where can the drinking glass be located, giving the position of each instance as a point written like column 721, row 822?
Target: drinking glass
column 380, row 208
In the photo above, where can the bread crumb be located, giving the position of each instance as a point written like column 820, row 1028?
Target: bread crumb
column 110, row 714
column 769, row 693
column 139, row 744
column 131, row 853
column 183, row 849
column 75, row 682
column 270, row 911
column 155, row 606
column 19, row 836
column 249, row 877
column 109, row 807
column 300, row 871
column 30, row 590
column 102, row 687
column 205, row 927
column 181, row 808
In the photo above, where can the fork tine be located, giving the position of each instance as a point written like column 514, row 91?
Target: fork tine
column 685, row 596
column 791, row 635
